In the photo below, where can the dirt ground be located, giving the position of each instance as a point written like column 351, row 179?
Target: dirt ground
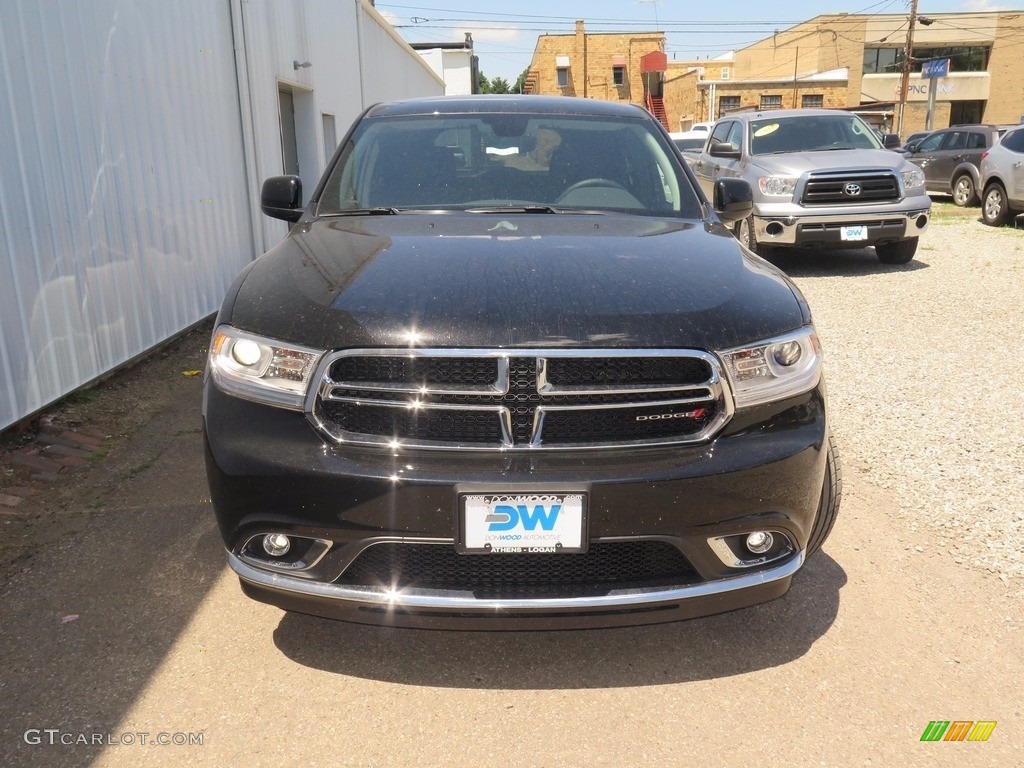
column 114, row 408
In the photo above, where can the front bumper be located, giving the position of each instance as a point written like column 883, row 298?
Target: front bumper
column 778, row 226
column 270, row 472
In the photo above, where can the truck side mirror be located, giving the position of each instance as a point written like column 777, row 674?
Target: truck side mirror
column 734, row 199
column 281, row 197
column 723, row 149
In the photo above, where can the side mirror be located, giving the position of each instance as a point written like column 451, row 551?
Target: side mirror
column 281, row 197
column 734, row 199
column 911, row 147
column 890, row 140
column 722, row 149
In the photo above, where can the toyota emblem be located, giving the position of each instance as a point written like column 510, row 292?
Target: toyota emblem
column 852, row 190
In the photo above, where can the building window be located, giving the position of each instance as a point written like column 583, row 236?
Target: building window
column 812, row 101
column 563, row 77
column 771, row 102
column 619, row 75
column 962, row 58
column 727, row 104
column 726, row 73
column 878, row 61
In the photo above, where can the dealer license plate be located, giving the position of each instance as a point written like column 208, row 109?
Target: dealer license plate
column 854, row 233
column 523, row 523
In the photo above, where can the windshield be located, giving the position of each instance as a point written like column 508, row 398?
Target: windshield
column 485, row 162
column 810, row 133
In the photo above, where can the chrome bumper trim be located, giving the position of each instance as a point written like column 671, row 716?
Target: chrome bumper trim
column 464, row 601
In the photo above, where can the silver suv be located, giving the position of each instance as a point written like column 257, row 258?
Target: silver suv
column 821, row 178
column 1002, row 175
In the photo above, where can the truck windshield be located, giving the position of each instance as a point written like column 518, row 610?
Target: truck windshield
column 810, row 133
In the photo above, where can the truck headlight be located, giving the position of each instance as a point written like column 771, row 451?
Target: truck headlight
column 774, row 369
column 913, row 180
column 777, row 185
column 260, row 369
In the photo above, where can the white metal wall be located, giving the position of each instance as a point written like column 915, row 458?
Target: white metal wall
column 122, row 205
column 131, row 152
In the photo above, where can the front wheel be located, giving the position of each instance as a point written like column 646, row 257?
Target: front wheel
column 995, row 209
column 744, row 232
column 964, row 193
column 828, row 504
column 899, row 252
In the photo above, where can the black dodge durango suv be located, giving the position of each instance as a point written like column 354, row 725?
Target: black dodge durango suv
column 510, row 369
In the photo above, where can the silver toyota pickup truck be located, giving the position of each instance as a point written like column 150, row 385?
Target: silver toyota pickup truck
column 821, row 179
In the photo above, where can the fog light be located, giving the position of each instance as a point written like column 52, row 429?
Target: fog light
column 758, row 542
column 277, row 544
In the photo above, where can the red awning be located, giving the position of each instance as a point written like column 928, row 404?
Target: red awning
column 618, row 61
column 655, row 61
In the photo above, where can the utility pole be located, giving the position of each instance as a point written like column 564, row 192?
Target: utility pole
column 905, row 79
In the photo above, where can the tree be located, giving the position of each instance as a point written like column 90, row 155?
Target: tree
column 500, row 85
column 497, row 85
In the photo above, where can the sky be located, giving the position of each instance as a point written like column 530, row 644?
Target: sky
column 505, row 34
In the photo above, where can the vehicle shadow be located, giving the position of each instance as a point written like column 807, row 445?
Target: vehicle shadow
column 714, row 647
column 846, row 263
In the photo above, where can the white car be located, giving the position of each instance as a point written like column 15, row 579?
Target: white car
column 689, row 142
column 1002, row 178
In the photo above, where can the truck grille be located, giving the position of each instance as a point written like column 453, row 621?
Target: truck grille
column 850, row 188
column 604, row 567
column 520, row 399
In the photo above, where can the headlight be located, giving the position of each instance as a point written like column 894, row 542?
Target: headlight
column 260, row 369
column 913, row 178
column 777, row 185
column 774, row 369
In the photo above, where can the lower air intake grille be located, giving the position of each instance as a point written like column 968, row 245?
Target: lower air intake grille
column 606, row 566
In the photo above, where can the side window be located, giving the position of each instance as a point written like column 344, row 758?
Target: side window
column 736, row 136
column 1014, row 140
column 931, row 143
column 721, row 132
column 956, row 140
column 976, row 141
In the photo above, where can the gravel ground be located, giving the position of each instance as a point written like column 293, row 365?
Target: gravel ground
column 923, row 364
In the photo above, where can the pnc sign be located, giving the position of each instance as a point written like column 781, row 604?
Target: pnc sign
column 935, row 68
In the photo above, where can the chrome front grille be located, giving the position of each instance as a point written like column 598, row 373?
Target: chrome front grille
column 519, row 399
column 850, row 188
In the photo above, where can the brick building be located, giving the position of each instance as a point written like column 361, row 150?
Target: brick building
column 835, row 60
column 628, row 67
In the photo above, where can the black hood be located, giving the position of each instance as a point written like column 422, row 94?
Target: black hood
column 517, row 280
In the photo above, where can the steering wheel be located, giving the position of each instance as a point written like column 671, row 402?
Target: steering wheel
column 589, row 183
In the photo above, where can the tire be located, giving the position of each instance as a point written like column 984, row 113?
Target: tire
column 744, row 232
column 995, row 209
column 828, row 505
column 964, row 191
column 899, row 252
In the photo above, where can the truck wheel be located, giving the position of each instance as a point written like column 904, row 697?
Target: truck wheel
column 828, row 505
column 964, row 193
column 995, row 210
column 744, row 232
column 899, row 252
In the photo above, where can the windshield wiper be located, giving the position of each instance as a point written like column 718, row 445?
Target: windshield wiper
column 380, row 210
column 529, row 209
column 513, row 209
